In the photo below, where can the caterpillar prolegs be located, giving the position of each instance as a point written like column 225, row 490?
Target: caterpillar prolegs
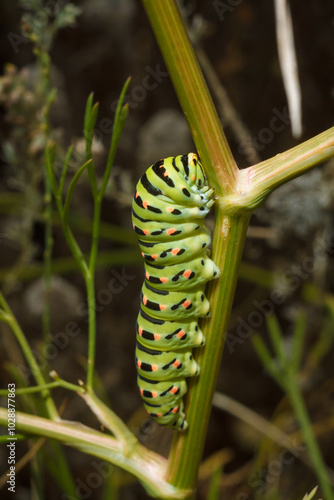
column 170, row 202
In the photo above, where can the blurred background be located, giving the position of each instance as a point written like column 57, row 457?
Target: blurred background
column 288, row 260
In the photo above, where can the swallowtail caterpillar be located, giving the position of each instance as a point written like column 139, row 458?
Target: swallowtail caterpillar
column 171, row 200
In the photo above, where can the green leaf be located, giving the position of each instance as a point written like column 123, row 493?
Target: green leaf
column 267, row 361
column 120, row 118
column 65, row 167
column 298, row 342
column 214, row 485
column 72, row 186
column 50, row 151
column 310, row 495
column 276, row 338
column 89, row 105
column 91, row 113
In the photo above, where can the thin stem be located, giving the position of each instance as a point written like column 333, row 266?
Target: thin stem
column 35, row 370
column 193, row 93
column 300, row 411
column 90, row 289
column 31, row 390
column 187, row 448
column 110, row 420
column 65, row 265
column 146, row 465
column 257, row 182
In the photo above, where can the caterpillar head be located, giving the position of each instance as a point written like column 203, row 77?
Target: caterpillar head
column 193, row 171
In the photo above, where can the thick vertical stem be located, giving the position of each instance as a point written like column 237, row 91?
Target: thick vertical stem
column 187, row 448
column 193, row 94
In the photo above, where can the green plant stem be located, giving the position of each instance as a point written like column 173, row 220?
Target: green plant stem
column 193, row 93
column 90, row 289
column 110, row 420
column 65, row 265
column 39, row 388
column 35, row 370
column 300, row 411
column 187, row 448
column 257, row 182
column 141, row 462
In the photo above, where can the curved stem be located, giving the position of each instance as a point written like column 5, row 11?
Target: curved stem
column 31, row 360
column 300, row 410
column 146, row 465
column 257, row 182
column 193, row 93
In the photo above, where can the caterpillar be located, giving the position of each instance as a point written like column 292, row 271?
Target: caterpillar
column 170, row 202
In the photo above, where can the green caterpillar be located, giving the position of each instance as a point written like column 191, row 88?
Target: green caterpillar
column 169, row 205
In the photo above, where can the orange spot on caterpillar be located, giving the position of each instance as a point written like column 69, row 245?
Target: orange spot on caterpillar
column 175, row 251
column 170, row 209
column 165, row 174
column 154, row 394
column 144, row 300
column 171, row 231
column 140, row 331
column 164, row 280
column 147, row 275
column 159, row 415
column 154, row 368
column 173, row 390
column 186, row 303
column 162, row 307
column 145, row 204
column 157, row 336
column 141, row 391
column 176, row 363
column 154, row 256
column 139, row 363
column 137, row 194
column 146, row 231
column 193, row 177
column 187, row 273
column 175, row 410
column 143, row 255
column 180, row 334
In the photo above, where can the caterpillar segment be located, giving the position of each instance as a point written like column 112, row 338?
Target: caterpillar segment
column 163, row 335
column 170, row 253
column 171, row 200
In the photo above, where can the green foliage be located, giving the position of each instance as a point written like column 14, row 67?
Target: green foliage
column 284, row 368
column 311, row 494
